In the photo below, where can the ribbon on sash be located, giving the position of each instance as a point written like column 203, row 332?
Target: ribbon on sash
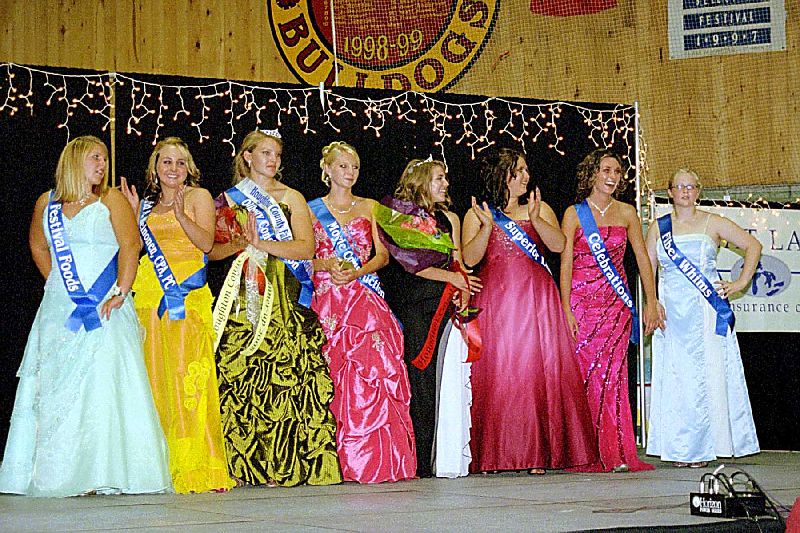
column 230, row 292
column 85, row 313
column 471, row 334
column 725, row 317
column 341, row 246
column 606, row 265
column 518, row 236
column 174, row 293
column 269, row 215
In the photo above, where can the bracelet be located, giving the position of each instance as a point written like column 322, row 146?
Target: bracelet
column 118, row 292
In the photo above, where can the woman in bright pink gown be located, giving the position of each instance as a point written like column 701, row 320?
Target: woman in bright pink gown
column 598, row 317
column 528, row 407
column 374, row 433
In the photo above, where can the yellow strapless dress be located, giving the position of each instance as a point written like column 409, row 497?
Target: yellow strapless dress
column 180, row 362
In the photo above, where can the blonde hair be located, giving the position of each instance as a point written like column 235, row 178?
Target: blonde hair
column 70, row 178
column 686, row 171
column 241, row 169
column 151, row 176
column 415, row 185
column 333, row 151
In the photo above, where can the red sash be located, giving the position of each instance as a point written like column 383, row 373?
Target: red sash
column 469, row 330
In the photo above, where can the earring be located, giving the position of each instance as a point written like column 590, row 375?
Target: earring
column 326, row 180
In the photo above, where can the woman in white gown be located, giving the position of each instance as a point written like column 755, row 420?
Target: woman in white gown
column 700, row 407
column 84, row 420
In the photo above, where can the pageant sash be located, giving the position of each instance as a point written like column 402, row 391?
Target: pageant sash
column 269, row 215
column 725, row 317
column 606, row 265
column 174, row 293
column 469, row 330
column 341, row 246
column 85, row 313
column 230, row 292
column 193, row 282
column 518, row 236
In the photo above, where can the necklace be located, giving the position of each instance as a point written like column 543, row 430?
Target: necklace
column 340, row 211
column 165, row 204
column 602, row 211
column 82, row 200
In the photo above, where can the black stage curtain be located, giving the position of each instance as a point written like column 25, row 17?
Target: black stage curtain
column 32, row 142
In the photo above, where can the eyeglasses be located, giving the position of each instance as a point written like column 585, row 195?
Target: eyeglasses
column 688, row 187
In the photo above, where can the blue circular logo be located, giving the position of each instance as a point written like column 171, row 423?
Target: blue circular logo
column 772, row 276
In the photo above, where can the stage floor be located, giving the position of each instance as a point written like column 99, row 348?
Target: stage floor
column 502, row 502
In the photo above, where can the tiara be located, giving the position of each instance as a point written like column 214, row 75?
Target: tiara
column 272, row 133
column 418, row 163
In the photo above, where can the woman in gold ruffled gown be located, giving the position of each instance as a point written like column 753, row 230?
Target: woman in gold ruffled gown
column 176, row 223
column 275, row 387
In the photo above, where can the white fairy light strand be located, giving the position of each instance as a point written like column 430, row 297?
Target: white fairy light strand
column 94, row 100
column 472, row 124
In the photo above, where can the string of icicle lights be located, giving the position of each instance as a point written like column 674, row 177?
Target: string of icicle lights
column 152, row 105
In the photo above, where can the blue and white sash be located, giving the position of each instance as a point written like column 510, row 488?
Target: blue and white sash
column 518, row 236
column 725, row 317
column 174, row 293
column 85, row 313
column 341, row 246
column 606, row 265
column 269, row 215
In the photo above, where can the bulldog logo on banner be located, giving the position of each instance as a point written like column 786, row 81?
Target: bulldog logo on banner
column 406, row 45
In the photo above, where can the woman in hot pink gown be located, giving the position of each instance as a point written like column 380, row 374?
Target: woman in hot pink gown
column 374, row 433
column 599, row 319
column 528, row 407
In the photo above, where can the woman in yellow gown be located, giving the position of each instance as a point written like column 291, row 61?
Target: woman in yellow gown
column 176, row 223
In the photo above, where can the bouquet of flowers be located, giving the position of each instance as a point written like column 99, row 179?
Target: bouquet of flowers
column 231, row 221
column 412, row 230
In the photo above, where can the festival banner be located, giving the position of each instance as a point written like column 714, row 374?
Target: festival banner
column 772, row 301
column 699, row 28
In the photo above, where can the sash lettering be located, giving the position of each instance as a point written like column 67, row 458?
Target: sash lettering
column 174, row 293
column 272, row 225
column 341, row 246
column 725, row 317
column 85, row 313
column 598, row 248
column 518, row 236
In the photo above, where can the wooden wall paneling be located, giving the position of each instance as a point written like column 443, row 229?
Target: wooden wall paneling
column 790, row 103
column 748, row 132
column 203, row 38
column 706, row 113
column 165, row 25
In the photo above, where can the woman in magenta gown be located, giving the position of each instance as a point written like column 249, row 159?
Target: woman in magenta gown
column 374, row 433
column 599, row 319
column 528, row 407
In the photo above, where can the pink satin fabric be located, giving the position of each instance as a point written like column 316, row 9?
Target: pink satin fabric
column 528, row 406
column 604, row 328
column 374, row 435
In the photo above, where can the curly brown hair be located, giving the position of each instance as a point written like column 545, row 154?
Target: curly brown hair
column 587, row 172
